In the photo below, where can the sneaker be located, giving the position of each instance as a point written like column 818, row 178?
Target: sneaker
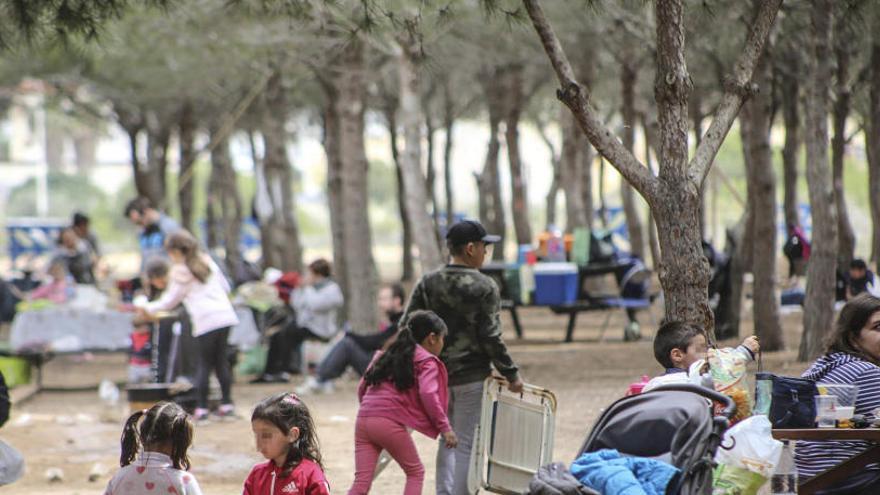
column 226, row 412
column 200, row 415
column 313, row 386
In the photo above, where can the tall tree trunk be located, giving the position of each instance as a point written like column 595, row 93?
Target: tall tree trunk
column 872, row 141
column 332, row 142
column 278, row 226
column 417, row 194
column 489, row 180
column 389, row 109
column 186, row 130
column 572, row 148
column 158, row 138
column 225, row 201
column 789, row 90
column 653, row 241
column 145, row 181
column 357, row 246
column 755, row 123
column 520, row 199
column 430, row 166
column 448, row 126
column 628, row 77
column 846, row 238
column 684, row 272
column 819, row 302
column 553, row 192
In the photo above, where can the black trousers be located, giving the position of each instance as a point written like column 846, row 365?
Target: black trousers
column 213, row 358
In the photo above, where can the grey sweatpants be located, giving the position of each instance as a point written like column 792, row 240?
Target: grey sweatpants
column 465, row 402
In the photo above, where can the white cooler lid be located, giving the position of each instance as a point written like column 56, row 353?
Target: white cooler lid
column 555, row 268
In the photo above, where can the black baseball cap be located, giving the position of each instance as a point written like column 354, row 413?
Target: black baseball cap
column 467, row 231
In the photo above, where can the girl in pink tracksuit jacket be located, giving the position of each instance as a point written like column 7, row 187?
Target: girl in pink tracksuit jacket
column 404, row 387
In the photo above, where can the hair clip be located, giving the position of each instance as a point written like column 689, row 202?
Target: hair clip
column 291, row 398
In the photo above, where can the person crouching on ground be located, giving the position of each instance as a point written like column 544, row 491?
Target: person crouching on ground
column 678, row 345
column 405, row 387
column 198, row 282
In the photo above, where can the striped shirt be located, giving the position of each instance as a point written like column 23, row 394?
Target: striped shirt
column 814, row 457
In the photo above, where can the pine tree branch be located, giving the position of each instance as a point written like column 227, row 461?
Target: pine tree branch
column 738, row 88
column 576, row 98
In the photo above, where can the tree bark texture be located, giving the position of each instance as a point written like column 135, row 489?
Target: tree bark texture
column 224, row 200
column 573, row 146
column 278, row 226
column 790, row 90
column 332, row 142
column 819, row 302
column 186, row 131
column 389, row 108
column 449, row 127
column 674, row 195
column 843, row 51
column 416, row 192
column 628, row 77
column 146, row 181
column 755, row 123
column 489, row 180
column 553, row 191
column 158, row 138
column 872, row 141
column 519, row 197
column 357, row 243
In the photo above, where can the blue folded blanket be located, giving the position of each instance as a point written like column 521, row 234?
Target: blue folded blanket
column 610, row 473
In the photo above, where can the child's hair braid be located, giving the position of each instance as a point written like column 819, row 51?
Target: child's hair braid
column 165, row 423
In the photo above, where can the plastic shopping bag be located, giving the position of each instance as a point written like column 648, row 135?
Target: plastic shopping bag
column 11, row 464
column 751, row 459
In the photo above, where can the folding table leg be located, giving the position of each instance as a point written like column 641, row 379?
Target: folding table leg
column 569, row 332
column 604, row 326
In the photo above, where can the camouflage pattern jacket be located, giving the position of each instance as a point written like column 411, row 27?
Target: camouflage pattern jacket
column 469, row 303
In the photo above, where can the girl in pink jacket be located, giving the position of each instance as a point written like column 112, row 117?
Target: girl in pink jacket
column 404, row 387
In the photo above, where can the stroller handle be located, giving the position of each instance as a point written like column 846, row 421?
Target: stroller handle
column 729, row 405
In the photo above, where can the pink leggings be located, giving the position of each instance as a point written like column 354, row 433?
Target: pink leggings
column 371, row 436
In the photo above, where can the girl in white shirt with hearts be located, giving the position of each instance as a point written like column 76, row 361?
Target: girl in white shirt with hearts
column 154, row 460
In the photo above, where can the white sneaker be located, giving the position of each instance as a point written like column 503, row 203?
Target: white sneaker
column 313, row 386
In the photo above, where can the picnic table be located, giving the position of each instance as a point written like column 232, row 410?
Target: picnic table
column 844, row 470
column 586, row 300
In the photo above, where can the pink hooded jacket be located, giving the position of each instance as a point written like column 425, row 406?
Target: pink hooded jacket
column 422, row 407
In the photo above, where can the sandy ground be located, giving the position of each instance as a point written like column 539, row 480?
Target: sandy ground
column 66, row 430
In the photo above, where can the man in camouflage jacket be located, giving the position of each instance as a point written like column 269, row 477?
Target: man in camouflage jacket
column 469, row 303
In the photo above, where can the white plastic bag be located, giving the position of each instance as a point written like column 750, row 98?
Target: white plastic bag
column 11, row 464
column 751, row 459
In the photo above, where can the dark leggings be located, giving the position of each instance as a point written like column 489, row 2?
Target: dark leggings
column 212, row 354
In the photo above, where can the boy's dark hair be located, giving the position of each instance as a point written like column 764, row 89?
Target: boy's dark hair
column 321, row 267
column 156, row 267
column 164, row 423
column 396, row 364
column 286, row 410
column 455, row 249
column 673, row 335
column 80, row 219
column 139, row 204
column 858, row 264
column 397, row 292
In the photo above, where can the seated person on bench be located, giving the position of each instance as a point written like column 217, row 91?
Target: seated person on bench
column 316, row 304
column 357, row 350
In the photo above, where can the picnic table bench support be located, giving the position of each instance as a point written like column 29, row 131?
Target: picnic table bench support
column 840, row 472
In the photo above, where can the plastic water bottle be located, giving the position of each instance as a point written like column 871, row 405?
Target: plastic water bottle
column 785, row 479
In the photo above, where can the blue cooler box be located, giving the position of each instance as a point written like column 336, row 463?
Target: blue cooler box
column 555, row 283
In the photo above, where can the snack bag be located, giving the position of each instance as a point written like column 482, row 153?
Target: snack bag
column 728, row 370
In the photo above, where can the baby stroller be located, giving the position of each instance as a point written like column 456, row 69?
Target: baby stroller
column 672, row 423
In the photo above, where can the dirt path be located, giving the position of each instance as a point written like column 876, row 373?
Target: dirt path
column 65, row 429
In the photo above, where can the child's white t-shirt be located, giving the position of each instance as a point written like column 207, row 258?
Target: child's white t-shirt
column 152, row 473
